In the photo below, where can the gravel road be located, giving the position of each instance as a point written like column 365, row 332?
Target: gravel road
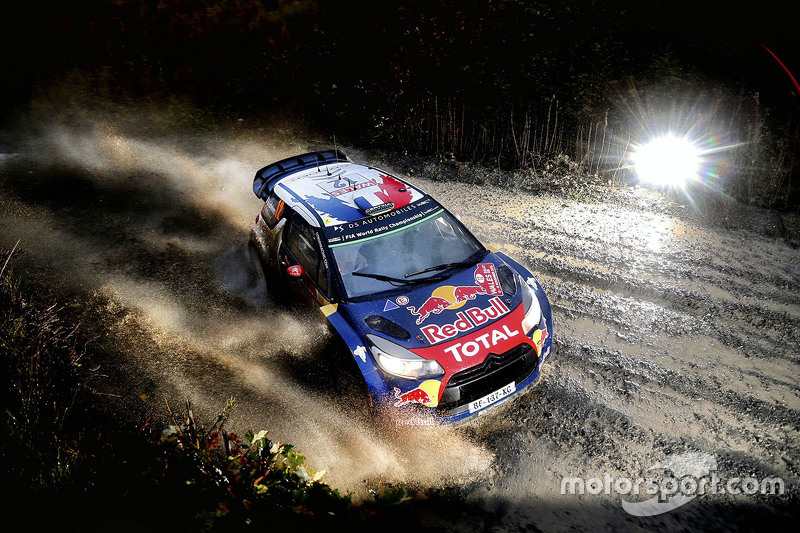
column 675, row 338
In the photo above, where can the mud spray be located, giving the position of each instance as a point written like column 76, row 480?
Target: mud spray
column 157, row 231
column 671, row 336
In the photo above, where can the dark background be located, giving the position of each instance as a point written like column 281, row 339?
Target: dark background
column 462, row 79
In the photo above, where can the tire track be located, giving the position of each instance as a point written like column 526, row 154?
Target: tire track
column 671, row 337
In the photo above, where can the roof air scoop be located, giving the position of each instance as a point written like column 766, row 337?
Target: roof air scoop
column 368, row 209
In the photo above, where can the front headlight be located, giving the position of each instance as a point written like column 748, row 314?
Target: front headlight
column 398, row 361
column 533, row 312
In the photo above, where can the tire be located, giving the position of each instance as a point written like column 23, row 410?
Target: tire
column 257, row 290
column 354, row 388
column 349, row 388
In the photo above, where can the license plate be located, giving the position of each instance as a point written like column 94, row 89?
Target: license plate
column 489, row 399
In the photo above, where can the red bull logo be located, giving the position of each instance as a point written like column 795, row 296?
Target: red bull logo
column 450, row 297
column 416, row 421
column 462, row 294
column 472, row 318
column 539, row 336
column 427, row 394
column 413, row 396
column 434, row 304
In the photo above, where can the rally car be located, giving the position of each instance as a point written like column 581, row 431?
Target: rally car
column 440, row 327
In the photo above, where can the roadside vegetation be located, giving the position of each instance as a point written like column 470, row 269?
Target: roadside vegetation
column 523, row 87
column 70, row 465
column 43, row 373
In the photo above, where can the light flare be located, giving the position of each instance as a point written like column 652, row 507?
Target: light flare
column 667, row 161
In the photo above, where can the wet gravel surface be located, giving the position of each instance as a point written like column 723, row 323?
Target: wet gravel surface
column 673, row 336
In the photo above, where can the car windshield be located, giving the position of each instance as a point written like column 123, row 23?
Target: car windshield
column 407, row 251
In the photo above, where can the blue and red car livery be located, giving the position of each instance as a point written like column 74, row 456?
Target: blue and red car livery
column 438, row 325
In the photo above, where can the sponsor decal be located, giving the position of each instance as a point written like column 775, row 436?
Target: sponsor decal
column 417, row 395
column 361, row 353
column 462, row 294
column 378, row 209
column 401, row 217
column 322, row 247
column 339, row 186
column 486, row 277
column 487, row 340
column 450, row 297
column 434, row 304
column 472, row 318
column 402, row 300
column 532, row 282
column 416, row 421
column 390, row 306
column 539, row 337
column 474, row 343
column 426, row 394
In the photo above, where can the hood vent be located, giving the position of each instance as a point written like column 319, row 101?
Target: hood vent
column 507, row 280
column 384, row 325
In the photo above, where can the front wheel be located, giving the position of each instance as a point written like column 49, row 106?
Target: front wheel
column 354, row 391
column 348, row 388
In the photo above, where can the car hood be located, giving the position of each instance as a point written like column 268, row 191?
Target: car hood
column 456, row 322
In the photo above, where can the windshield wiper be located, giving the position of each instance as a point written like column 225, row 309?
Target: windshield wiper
column 390, row 279
column 445, row 266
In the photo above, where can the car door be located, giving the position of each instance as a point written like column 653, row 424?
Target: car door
column 301, row 246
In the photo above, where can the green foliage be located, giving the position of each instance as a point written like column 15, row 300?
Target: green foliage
column 68, row 463
column 255, row 481
column 391, row 496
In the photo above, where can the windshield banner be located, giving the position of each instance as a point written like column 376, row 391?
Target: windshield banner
column 386, row 223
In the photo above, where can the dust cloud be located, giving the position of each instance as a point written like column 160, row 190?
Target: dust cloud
column 152, row 231
column 672, row 334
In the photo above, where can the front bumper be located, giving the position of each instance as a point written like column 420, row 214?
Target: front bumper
column 516, row 365
column 519, row 365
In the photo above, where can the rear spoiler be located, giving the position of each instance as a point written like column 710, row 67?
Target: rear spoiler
column 268, row 177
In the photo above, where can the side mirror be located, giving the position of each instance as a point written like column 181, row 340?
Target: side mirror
column 296, row 271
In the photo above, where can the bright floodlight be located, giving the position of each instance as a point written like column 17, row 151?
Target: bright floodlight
column 667, row 161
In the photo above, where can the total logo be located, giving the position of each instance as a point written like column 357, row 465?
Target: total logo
column 451, row 297
column 471, row 337
column 485, row 341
